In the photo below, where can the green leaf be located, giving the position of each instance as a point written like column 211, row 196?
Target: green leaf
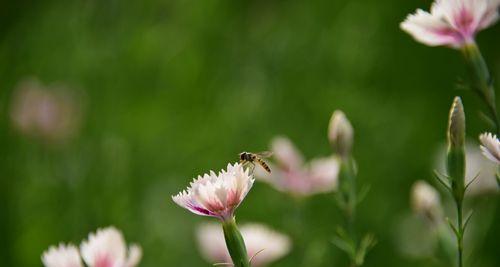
column 471, row 181
column 363, row 192
column 469, row 216
column 367, row 243
column 439, row 178
column 457, row 233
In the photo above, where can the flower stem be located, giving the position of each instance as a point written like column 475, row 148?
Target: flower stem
column 347, row 180
column 235, row 243
column 460, row 233
column 483, row 82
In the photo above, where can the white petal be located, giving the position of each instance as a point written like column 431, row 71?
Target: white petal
column 491, row 14
column 286, row 154
column 323, row 174
column 490, row 147
column 62, row 256
column 134, row 255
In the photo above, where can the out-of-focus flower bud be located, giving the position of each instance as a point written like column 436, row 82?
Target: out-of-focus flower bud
column 425, row 200
column 340, row 134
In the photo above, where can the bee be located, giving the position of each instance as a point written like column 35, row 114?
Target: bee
column 249, row 157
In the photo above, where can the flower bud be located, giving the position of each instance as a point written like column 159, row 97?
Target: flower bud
column 340, row 134
column 456, row 148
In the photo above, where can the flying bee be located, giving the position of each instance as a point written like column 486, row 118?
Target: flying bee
column 252, row 158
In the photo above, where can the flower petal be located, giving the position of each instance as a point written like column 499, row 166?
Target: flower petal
column 430, row 30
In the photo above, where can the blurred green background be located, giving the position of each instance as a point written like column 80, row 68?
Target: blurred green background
column 172, row 89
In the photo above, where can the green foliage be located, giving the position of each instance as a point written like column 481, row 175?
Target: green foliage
column 175, row 88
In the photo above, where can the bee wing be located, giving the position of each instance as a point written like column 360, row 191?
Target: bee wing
column 264, row 154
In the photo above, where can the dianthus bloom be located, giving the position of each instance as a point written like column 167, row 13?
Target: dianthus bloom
column 292, row 175
column 263, row 244
column 490, row 146
column 217, row 195
column 452, row 23
column 105, row 248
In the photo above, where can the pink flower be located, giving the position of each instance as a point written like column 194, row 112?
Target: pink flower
column 107, row 248
column 262, row 243
column 291, row 174
column 52, row 114
column 217, row 195
column 451, row 23
column 62, row 256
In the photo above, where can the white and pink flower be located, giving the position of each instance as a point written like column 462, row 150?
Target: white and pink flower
column 105, row 248
column 490, row 146
column 263, row 244
column 217, row 195
column 452, row 23
column 292, row 175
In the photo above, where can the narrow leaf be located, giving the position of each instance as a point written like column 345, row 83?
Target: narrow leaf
column 363, row 192
column 467, row 220
column 439, row 178
column 471, row 181
column 457, row 234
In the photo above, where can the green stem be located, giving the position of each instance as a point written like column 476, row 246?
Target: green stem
column 483, row 81
column 235, row 243
column 348, row 190
column 460, row 236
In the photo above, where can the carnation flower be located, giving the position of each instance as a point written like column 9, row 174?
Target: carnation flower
column 217, row 195
column 291, row 174
column 107, row 248
column 451, row 23
column 262, row 243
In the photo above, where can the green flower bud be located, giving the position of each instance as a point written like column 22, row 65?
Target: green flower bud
column 456, row 148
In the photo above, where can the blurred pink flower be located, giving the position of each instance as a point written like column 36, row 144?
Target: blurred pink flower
column 490, row 146
column 291, row 174
column 53, row 114
column 217, row 195
column 62, row 256
column 263, row 244
column 451, row 23
column 107, row 248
